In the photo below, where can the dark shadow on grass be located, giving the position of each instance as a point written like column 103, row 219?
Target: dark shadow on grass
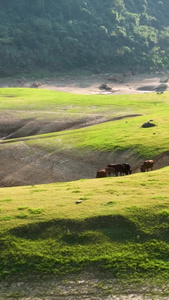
column 114, row 228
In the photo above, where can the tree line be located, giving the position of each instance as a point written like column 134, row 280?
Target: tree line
column 63, row 35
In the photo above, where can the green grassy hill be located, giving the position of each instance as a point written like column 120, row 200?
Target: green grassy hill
column 116, row 225
column 120, row 227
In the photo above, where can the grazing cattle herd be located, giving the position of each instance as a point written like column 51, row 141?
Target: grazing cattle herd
column 123, row 169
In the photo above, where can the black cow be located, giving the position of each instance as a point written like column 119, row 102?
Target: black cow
column 127, row 168
column 122, row 169
column 119, row 168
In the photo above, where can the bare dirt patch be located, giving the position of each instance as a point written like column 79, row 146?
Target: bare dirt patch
column 24, row 165
column 89, row 84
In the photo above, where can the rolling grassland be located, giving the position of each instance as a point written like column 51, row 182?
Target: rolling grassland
column 116, row 226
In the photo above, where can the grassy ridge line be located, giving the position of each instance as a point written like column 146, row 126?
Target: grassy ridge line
column 121, row 227
column 121, row 135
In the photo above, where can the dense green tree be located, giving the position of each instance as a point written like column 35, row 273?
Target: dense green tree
column 69, row 34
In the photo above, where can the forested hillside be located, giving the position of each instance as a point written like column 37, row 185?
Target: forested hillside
column 59, row 35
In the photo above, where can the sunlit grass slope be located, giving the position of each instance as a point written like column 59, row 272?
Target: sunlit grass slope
column 120, row 226
column 34, row 100
column 118, row 135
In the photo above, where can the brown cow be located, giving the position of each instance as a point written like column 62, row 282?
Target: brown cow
column 101, row 173
column 110, row 171
column 148, row 164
